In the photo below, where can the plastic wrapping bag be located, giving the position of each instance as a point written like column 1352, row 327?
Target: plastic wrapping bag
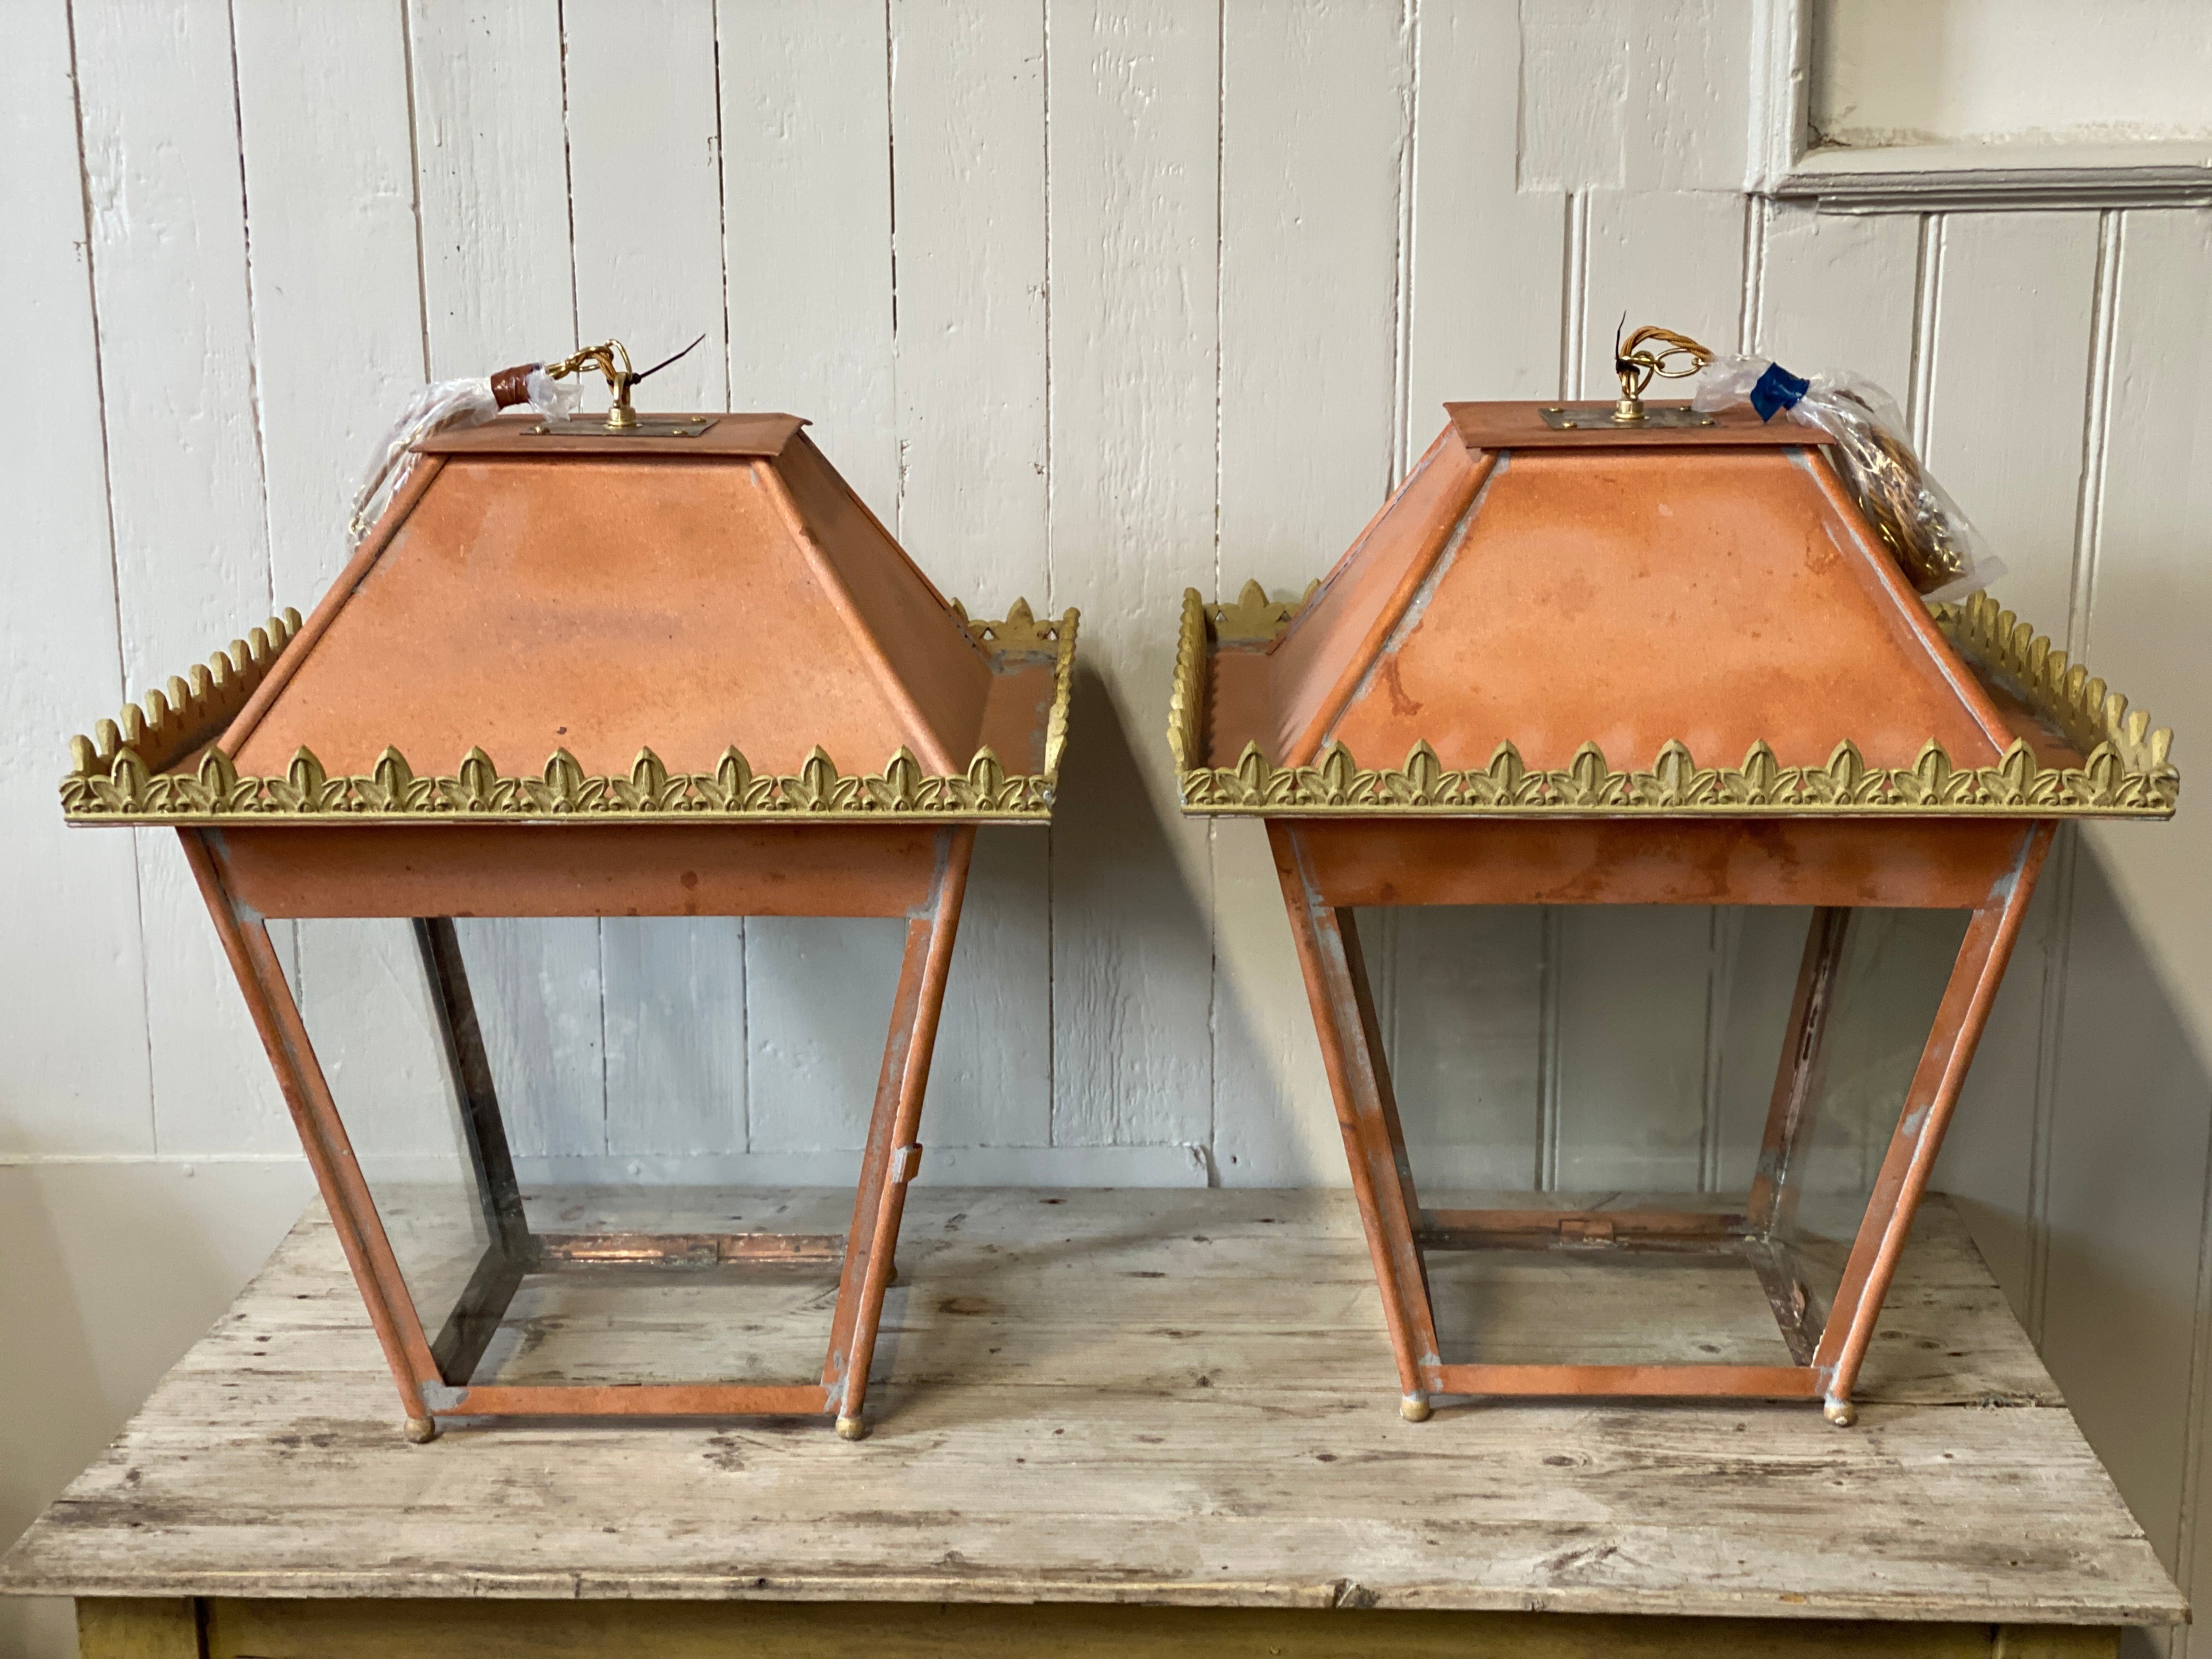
column 1937, row 547
column 443, row 405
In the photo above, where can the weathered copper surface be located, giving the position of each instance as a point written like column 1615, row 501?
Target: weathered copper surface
column 1572, row 636
column 711, row 627
column 1640, row 626
column 643, row 660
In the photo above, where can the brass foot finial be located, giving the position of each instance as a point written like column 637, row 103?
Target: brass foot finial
column 422, row 1430
column 852, row 1428
column 1414, row 1408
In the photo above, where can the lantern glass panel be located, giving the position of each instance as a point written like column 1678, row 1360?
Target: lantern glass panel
column 656, row 1101
column 1512, row 1100
column 1889, row 984
column 368, row 1003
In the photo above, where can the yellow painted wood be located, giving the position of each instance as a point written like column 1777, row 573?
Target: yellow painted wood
column 2055, row 1642
column 117, row 1627
column 831, row 1630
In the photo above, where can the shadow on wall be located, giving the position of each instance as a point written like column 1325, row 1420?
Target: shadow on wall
column 2130, row 1121
column 112, row 1271
column 1137, row 984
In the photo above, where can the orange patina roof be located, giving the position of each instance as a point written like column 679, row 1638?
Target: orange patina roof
column 535, row 593
column 1709, row 592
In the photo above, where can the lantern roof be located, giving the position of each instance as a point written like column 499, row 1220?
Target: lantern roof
column 1685, row 619
column 554, row 620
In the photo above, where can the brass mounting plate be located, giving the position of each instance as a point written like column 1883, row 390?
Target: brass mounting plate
column 646, row 427
column 1598, row 417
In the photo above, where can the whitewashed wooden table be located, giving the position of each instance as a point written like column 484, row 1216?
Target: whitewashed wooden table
column 1108, row 1422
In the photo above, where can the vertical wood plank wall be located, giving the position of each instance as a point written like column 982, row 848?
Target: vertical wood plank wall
column 1091, row 300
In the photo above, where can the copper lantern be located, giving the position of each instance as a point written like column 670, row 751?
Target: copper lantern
column 638, row 659
column 1572, row 662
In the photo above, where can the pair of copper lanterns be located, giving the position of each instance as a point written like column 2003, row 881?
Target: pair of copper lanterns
column 698, row 621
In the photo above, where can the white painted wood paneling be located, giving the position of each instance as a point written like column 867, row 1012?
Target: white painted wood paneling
column 1837, row 291
column 2134, row 1103
column 328, row 152
column 499, row 288
column 1133, row 193
column 1315, row 110
column 491, row 154
column 646, row 196
column 807, row 227
column 1482, row 316
column 1091, row 302
column 2014, row 312
column 1638, row 97
column 158, row 105
column 967, row 147
column 81, row 904
column 807, row 247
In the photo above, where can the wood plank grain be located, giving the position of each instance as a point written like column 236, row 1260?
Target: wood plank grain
column 2128, row 1117
column 1460, row 990
column 1648, row 97
column 139, row 1628
column 1313, row 133
column 328, row 156
column 1835, row 291
column 1133, row 195
column 83, row 909
column 968, row 128
column 1075, row 1460
column 499, row 288
column 807, row 227
column 2006, row 279
column 1634, row 1041
column 167, row 249
column 646, row 180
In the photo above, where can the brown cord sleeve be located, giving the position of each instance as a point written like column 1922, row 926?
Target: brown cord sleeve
column 511, row 387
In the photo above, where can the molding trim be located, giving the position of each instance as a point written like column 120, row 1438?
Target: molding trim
column 1982, row 177
column 2127, row 771
column 122, row 776
column 1782, row 164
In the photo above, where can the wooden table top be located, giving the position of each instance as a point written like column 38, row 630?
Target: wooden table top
column 1168, row 1397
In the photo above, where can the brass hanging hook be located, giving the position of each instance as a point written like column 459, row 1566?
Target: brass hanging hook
column 1678, row 358
column 621, row 417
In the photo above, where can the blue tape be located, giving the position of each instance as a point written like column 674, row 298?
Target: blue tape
column 1778, row 390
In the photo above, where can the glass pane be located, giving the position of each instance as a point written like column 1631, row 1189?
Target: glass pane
column 660, row 1106
column 1889, row 984
column 1607, row 1072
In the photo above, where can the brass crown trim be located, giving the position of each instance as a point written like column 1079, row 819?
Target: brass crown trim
column 121, row 773
column 2126, row 771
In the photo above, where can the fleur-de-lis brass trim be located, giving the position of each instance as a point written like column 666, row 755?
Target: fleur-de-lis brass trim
column 121, row 773
column 2126, row 772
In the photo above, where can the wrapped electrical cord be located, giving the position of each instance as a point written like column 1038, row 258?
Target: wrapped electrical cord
column 1934, row 543
column 443, row 405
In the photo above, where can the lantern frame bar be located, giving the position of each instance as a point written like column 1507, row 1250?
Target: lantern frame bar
column 1326, row 867
column 247, row 875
